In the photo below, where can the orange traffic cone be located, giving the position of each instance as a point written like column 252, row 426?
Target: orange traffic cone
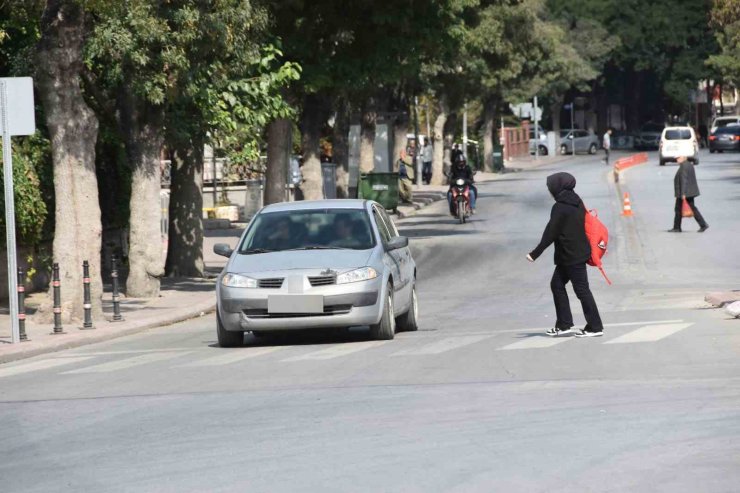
column 627, row 207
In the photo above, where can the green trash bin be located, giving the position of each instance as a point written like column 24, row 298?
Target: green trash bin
column 498, row 157
column 380, row 187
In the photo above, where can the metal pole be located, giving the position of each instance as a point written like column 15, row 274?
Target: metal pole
column 9, row 214
column 116, row 298
column 21, row 306
column 465, row 131
column 56, row 287
column 572, row 128
column 417, row 150
column 429, row 123
column 536, row 131
column 87, row 302
column 213, row 165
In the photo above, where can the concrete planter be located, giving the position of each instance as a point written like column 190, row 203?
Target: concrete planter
column 230, row 212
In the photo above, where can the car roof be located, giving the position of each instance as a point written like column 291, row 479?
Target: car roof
column 722, row 118
column 682, row 127
column 305, row 205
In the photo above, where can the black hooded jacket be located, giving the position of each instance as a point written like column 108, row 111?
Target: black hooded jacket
column 567, row 223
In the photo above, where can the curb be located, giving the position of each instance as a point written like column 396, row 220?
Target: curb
column 720, row 299
column 423, row 200
column 194, row 311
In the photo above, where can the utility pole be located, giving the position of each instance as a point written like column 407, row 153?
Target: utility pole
column 536, row 131
column 465, row 131
column 417, row 150
column 572, row 128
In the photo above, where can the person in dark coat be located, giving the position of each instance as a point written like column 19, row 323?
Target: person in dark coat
column 686, row 187
column 567, row 230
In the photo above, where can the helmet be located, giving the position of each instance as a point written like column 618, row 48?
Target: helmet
column 460, row 161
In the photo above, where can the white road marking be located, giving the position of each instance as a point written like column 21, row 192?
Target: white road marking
column 620, row 324
column 536, row 342
column 228, row 357
column 337, row 351
column 130, row 351
column 125, row 363
column 649, row 333
column 43, row 364
column 443, row 345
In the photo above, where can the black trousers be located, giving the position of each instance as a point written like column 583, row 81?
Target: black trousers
column 426, row 172
column 578, row 277
column 606, row 156
column 697, row 215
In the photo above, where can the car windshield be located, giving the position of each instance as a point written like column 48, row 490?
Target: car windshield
column 564, row 133
column 309, row 230
column 678, row 134
column 652, row 127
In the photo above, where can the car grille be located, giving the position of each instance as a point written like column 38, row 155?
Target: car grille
column 275, row 283
column 328, row 311
column 322, row 280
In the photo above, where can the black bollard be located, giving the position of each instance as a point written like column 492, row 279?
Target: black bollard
column 22, row 305
column 56, row 286
column 87, row 302
column 116, row 299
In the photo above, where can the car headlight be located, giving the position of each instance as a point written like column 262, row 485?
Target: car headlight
column 363, row 274
column 237, row 281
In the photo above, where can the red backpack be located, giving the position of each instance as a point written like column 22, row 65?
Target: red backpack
column 598, row 239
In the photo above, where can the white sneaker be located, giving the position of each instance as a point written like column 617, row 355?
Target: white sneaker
column 589, row 333
column 555, row 332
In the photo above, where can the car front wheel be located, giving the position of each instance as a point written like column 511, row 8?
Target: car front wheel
column 592, row 149
column 386, row 328
column 409, row 320
column 227, row 338
column 563, row 150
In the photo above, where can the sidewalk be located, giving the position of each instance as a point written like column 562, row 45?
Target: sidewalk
column 180, row 299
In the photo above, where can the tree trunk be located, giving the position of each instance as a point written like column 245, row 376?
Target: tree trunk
column 400, row 133
column 438, row 177
column 367, row 136
column 556, row 108
column 73, row 129
column 313, row 118
column 185, row 246
column 489, row 134
column 279, row 143
column 341, row 148
column 141, row 125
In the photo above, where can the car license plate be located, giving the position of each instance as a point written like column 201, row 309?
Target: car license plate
column 297, row 303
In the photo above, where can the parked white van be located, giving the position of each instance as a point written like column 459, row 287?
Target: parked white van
column 676, row 142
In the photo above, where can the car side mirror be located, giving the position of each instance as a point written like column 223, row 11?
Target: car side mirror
column 397, row 243
column 222, row 249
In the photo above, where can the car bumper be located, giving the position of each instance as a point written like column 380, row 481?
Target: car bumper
column 246, row 310
column 724, row 146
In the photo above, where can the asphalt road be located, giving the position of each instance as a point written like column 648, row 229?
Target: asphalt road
column 479, row 399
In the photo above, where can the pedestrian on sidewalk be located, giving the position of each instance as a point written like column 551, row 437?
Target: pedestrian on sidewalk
column 567, row 230
column 607, row 145
column 427, row 155
column 686, row 188
column 405, row 177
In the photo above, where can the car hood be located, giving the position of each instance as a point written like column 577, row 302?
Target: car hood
column 301, row 259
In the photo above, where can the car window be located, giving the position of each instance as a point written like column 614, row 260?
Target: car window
column 729, row 129
column 581, row 133
column 385, row 234
column 389, row 223
column 309, row 229
column 725, row 122
column 678, row 134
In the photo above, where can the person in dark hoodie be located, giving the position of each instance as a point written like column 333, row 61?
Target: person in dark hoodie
column 567, row 230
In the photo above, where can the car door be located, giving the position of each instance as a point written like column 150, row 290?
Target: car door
column 393, row 259
column 408, row 267
column 400, row 258
column 581, row 141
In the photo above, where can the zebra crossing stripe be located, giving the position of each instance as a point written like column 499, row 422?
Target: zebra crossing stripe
column 649, row 333
column 228, row 357
column 125, row 363
column 337, row 351
column 43, row 364
column 443, row 345
column 536, row 342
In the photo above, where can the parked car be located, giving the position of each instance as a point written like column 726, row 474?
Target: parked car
column 676, row 142
column 584, row 142
column 723, row 121
column 317, row 265
column 725, row 139
column 542, row 142
column 648, row 137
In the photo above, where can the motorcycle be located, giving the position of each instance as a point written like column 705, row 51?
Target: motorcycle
column 461, row 200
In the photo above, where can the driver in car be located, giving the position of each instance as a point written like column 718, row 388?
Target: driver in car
column 461, row 170
column 281, row 236
column 343, row 234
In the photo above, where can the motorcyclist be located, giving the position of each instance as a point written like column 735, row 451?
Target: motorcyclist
column 461, row 170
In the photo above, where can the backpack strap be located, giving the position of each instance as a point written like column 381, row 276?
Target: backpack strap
column 604, row 274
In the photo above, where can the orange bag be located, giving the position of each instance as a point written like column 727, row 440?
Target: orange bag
column 686, row 209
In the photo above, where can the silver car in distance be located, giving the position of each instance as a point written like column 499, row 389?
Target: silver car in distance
column 315, row 265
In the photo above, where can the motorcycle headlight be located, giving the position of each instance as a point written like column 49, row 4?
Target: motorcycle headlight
column 460, row 182
column 237, row 281
column 363, row 274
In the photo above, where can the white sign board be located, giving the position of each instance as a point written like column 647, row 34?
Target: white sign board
column 21, row 111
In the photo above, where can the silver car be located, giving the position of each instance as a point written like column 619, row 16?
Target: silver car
column 584, row 141
column 315, row 265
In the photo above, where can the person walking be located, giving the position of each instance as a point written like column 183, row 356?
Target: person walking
column 567, row 230
column 686, row 188
column 427, row 155
column 405, row 177
column 607, row 145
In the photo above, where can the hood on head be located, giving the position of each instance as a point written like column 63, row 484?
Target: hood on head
column 560, row 181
